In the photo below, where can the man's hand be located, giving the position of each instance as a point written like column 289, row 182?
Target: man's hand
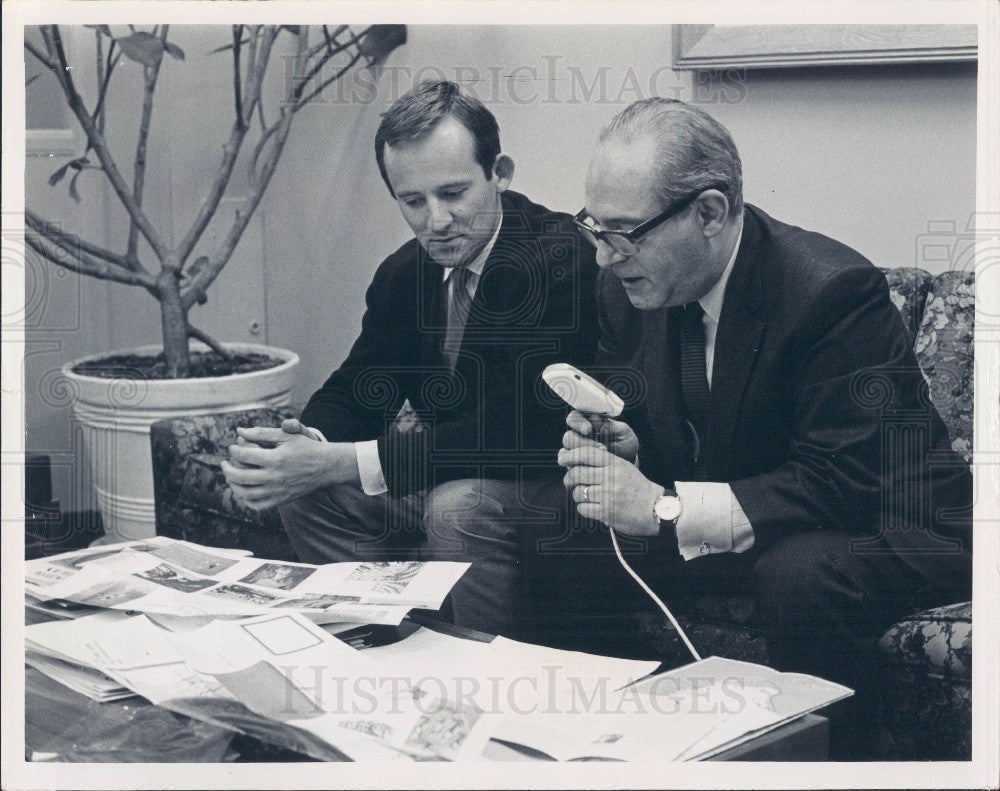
column 589, row 430
column 610, row 489
column 271, row 466
column 294, row 426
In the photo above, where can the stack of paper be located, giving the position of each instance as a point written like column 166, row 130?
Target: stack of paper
column 218, row 632
column 754, row 699
column 281, row 667
column 170, row 577
column 87, row 681
column 430, row 696
column 58, row 650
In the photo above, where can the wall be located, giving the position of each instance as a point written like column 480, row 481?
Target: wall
column 868, row 156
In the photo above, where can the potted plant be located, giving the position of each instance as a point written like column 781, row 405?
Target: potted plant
column 119, row 395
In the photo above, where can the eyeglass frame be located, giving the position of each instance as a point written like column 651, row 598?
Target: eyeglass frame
column 598, row 235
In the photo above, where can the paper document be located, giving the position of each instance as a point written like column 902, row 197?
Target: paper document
column 108, row 640
column 87, row 681
column 286, row 668
column 753, row 697
column 165, row 577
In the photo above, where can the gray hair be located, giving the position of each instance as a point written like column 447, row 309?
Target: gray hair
column 693, row 149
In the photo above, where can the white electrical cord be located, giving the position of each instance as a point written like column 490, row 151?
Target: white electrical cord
column 654, row 597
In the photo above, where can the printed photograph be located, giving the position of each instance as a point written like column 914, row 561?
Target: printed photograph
column 48, row 575
column 78, row 561
column 170, row 577
column 317, row 601
column 277, row 575
column 442, row 731
column 236, row 592
column 111, row 593
column 386, row 577
column 193, row 560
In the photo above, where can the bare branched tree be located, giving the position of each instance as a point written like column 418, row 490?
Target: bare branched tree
column 180, row 282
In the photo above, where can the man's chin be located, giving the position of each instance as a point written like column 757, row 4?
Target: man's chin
column 643, row 299
column 447, row 255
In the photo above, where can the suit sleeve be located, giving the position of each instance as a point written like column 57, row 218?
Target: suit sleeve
column 353, row 403
column 857, row 371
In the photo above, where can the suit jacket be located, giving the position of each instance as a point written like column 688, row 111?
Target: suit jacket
column 820, row 414
column 494, row 417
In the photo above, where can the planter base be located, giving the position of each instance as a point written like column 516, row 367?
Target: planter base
column 115, row 416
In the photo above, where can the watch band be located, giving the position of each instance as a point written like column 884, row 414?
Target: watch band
column 667, row 537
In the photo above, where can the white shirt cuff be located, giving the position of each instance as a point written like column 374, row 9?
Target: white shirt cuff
column 711, row 520
column 370, row 467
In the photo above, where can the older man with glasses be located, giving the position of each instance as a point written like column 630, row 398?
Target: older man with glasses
column 748, row 457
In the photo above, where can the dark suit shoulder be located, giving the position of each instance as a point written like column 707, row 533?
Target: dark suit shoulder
column 405, row 259
column 804, row 271
column 804, row 260
column 553, row 231
column 524, row 214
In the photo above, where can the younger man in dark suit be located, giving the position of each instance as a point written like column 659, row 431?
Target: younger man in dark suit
column 765, row 451
column 459, row 324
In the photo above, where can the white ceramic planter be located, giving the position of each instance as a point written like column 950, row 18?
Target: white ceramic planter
column 115, row 416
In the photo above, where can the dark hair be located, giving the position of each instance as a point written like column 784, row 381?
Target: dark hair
column 414, row 115
column 693, row 149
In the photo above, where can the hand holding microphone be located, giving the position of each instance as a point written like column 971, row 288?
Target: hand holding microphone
column 594, row 406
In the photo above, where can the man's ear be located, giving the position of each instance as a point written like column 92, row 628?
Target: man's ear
column 503, row 171
column 713, row 212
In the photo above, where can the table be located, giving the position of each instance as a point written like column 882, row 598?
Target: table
column 61, row 721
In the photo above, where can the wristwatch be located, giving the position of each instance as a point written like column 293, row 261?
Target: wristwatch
column 667, row 510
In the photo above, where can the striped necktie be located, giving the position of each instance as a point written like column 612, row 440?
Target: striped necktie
column 459, row 303
column 694, row 378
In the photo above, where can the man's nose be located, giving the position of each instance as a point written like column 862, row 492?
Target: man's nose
column 607, row 256
column 440, row 217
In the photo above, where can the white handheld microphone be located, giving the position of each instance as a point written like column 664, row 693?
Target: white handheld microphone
column 582, row 392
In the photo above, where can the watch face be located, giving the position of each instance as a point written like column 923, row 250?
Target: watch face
column 668, row 508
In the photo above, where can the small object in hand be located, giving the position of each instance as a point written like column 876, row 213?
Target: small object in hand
column 582, row 392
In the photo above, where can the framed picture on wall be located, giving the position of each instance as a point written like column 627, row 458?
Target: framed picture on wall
column 775, row 46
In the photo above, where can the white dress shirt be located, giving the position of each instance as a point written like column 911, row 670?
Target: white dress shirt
column 711, row 517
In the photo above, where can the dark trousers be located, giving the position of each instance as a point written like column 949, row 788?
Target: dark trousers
column 479, row 521
column 821, row 603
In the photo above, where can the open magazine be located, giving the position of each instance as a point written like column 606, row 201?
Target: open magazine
column 165, row 576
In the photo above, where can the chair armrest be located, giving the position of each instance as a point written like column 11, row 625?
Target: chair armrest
column 935, row 642
column 193, row 500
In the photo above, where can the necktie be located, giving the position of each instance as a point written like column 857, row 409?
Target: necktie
column 459, row 303
column 694, row 379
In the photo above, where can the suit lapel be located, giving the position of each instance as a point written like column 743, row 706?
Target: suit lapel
column 502, row 282
column 737, row 342
column 433, row 308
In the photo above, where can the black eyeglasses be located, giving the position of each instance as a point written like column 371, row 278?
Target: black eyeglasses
column 625, row 242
